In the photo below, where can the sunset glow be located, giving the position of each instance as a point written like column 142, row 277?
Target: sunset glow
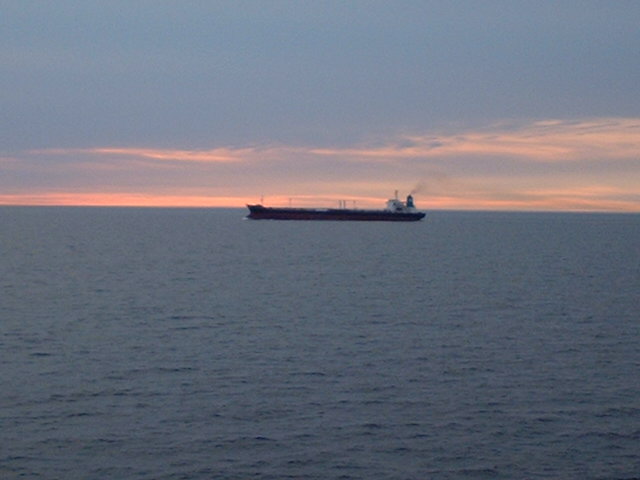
column 307, row 106
column 547, row 141
column 431, row 164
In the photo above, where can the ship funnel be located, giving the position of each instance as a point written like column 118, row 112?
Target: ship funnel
column 410, row 202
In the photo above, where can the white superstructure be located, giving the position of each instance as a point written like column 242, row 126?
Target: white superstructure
column 395, row 205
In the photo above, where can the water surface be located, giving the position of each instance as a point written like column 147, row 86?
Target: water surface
column 177, row 343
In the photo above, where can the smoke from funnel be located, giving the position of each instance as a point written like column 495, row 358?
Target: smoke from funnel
column 420, row 187
column 437, row 180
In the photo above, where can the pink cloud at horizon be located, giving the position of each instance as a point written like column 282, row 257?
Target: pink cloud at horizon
column 556, row 200
column 543, row 165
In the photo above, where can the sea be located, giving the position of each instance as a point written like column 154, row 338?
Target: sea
column 149, row 343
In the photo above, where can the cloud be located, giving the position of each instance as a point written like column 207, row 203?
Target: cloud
column 119, row 199
column 589, row 164
column 6, row 161
column 215, row 155
column 542, row 141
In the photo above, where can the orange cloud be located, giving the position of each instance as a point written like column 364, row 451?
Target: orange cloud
column 545, row 141
column 576, row 199
column 216, row 155
column 361, row 174
column 121, row 200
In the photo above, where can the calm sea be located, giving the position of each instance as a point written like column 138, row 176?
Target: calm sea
column 193, row 344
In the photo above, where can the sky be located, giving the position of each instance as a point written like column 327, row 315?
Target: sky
column 492, row 105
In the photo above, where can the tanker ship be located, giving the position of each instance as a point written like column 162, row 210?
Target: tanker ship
column 395, row 211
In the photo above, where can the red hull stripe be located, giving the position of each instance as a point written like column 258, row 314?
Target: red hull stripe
column 258, row 212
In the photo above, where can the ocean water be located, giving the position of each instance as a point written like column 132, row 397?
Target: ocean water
column 193, row 344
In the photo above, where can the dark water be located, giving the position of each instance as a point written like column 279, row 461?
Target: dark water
column 190, row 344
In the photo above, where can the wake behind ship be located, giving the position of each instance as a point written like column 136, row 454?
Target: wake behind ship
column 395, row 211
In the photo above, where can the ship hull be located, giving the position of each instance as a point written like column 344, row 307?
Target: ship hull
column 258, row 212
